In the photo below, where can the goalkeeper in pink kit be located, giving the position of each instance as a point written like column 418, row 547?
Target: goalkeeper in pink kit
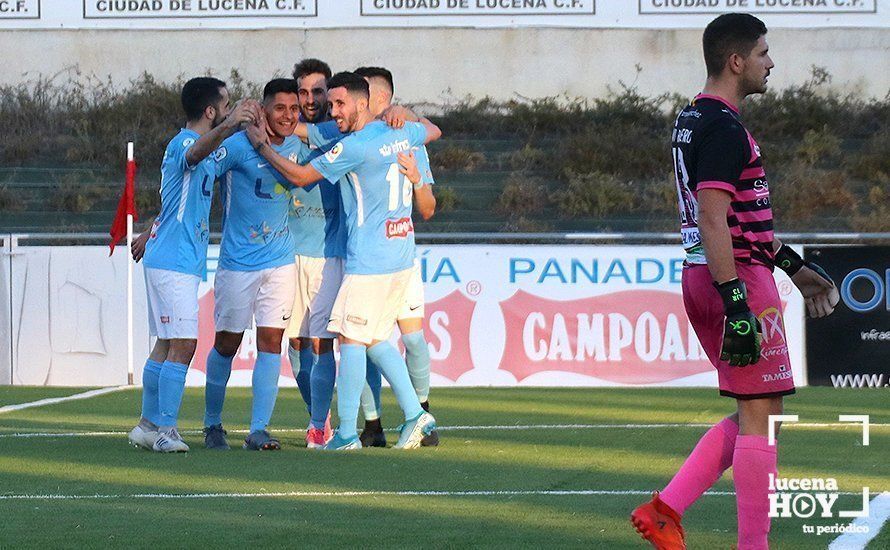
column 728, row 287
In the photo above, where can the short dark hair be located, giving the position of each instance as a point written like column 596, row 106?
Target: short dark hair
column 200, row 93
column 728, row 34
column 311, row 65
column 351, row 81
column 376, row 72
column 280, row 85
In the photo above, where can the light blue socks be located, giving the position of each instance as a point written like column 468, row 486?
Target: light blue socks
column 265, row 389
column 417, row 356
column 171, row 384
column 150, row 374
column 301, row 362
column 394, row 369
column 350, row 381
column 219, row 368
column 371, row 393
column 324, row 370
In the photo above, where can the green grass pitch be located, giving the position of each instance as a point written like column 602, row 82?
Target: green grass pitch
column 317, row 509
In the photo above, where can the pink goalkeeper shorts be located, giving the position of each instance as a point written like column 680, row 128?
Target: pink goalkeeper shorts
column 771, row 376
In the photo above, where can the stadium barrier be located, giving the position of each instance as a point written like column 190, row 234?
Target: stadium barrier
column 496, row 314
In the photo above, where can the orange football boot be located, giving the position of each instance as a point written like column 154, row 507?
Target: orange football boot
column 656, row 522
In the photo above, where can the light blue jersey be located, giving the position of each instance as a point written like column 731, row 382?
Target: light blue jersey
column 316, row 217
column 377, row 199
column 257, row 201
column 423, row 165
column 181, row 231
column 324, row 135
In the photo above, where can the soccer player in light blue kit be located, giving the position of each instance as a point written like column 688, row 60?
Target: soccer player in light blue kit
column 256, row 276
column 175, row 256
column 380, row 249
column 317, row 225
column 410, row 319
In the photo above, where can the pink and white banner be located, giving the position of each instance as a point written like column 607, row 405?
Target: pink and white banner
column 550, row 316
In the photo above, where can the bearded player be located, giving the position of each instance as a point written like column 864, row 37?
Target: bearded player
column 728, row 286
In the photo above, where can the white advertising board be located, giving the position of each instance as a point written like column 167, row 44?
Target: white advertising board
column 495, row 316
column 320, row 14
column 550, row 316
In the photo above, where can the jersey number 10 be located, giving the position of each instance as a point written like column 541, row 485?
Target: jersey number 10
column 398, row 185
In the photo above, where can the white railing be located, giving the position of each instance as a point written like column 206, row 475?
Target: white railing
column 479, row 237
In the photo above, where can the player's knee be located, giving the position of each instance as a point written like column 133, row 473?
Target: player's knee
column 754, row 415
column 182, row 350
column 321, row 346
column 268, row 340
column 226, row 343
column 159, row 351
column 295, row 343
column 410, row 326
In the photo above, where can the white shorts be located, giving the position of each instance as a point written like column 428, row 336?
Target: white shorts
column 367, row 305
column 318, row 280
column 414, row 299
column 172, row 304
column 266, row 295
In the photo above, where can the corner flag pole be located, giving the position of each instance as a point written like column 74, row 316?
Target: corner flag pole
column 131, row 174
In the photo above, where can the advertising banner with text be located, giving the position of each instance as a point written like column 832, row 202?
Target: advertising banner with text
column 851, row 348
column 258, row 14
column 550, row 316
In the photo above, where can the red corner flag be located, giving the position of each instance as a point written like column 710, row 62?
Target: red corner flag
column 127, row 204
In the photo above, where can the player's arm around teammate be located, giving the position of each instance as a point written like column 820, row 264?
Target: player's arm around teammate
column 246, row 111
column 424, row 200
column 296, row 174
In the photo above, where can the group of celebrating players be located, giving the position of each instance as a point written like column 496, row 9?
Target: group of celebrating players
column 317, row 181
column 318, row 243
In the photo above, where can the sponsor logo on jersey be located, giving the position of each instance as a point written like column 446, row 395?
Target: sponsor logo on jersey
column 335, row 151
column 395, row 147
column 399, row 229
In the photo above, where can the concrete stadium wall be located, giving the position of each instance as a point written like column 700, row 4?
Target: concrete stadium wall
column 440, row 65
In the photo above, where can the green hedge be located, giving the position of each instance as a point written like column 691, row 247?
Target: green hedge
column 558, row 163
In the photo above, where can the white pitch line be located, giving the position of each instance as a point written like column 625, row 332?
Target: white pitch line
column 634, row 426
column 340, row 494
column 25, row 435
column 862, row 530
column 54, row 400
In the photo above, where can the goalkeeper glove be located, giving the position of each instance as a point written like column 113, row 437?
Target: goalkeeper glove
column 741, row 332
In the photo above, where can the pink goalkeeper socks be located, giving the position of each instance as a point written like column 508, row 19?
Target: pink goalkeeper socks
column 711, row 457
column 754, row 459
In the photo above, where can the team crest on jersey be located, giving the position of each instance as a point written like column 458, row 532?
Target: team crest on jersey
column 399, row 229
column 292, row 157
column 188, row 142
column 220, row 154
column 335, row 151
